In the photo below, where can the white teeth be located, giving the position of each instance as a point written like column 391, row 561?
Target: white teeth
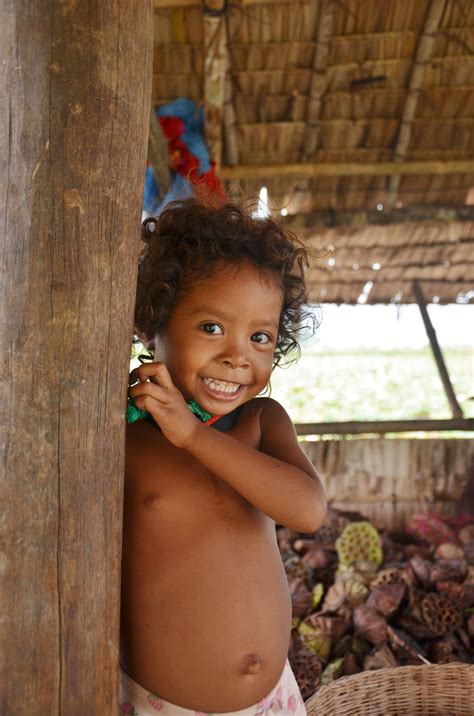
column 221, row 386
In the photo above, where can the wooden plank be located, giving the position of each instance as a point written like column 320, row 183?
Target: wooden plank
column 423, row 55
column 459, row 166
column 437, row 354
column 76, row 82
column 355, row 427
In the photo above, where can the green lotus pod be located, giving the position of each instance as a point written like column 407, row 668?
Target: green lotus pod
column 316, row 640
column 317, row 594
column 359, row 541
column 332, row 671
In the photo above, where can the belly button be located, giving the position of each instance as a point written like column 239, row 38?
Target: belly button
column 151, row 499
column 252, row 664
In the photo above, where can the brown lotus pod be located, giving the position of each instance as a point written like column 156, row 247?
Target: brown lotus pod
column 463, row 637
column 452, row 569
column 448, row 550
column 414, row 627
column 343, row 596
column 335, row 626
column 342, row 646
column 307, row 669
column 404, row 645
column 381, row 658
column 296, row 569
column 389, row 575
column 360, row 647
column 470, row 626
column 462, row 595
column 317, row 557
column 370, row 624
column 440, row 614
column 362, row 569
column 301, row 598
column 422, row 570
column 350, row 665
column 386, row 599
column 466, row 534
column 415, row 598
column 392, row 551
column 441, row 651
column 416, row 550
column 470, row 575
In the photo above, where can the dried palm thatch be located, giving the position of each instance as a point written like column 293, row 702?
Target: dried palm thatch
column 337, row 107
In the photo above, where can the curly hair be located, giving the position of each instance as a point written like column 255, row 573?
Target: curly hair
column 185, row 242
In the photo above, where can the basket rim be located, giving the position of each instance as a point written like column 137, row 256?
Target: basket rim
column 389, row 672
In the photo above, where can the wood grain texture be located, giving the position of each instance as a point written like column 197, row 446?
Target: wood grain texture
column 73, row 132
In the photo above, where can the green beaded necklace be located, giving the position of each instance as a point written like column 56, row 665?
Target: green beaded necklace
column 133, row 413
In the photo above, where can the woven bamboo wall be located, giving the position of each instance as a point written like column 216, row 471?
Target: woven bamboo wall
column 388, row 480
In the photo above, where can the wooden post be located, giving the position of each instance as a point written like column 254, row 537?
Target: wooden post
column 438, row 356
column 76, row 88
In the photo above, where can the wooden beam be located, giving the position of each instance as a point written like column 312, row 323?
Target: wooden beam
column 331, row 218
column 76, row 82
column 383, row 426
column 340, row 169
column 437, row 354
column 158, row 154
column 215, row 66
column 159, row 4
column 423, row 55
column 318, row 80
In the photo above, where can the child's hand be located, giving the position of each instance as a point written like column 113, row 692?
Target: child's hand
column 156, row 393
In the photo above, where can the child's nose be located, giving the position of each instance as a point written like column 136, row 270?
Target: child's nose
column 235, row 355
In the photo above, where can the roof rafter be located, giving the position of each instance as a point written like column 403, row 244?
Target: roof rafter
column 423, row 55
column 253, row 171
column 318, row 80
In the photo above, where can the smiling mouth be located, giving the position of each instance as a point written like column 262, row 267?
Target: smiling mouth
column 223, row 387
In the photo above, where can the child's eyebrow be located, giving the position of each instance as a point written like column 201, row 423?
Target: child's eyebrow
column 212, row 312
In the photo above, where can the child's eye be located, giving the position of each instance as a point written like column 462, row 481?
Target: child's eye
column 213, row 328
column 261, row 338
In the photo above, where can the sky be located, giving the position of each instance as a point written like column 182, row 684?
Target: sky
column 393, row 327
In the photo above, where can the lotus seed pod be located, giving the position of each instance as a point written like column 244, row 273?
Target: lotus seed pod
column 315, row 639
column 359, row 541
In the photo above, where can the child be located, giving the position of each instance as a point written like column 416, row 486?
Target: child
column 206, row 611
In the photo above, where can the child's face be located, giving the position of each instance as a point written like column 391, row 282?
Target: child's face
column 219, row 342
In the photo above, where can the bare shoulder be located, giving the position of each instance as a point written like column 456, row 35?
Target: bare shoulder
column 278, row 434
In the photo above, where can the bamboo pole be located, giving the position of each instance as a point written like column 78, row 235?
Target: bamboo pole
column 242, row 171
column 380, row 427
column 423, row 55
column 362, row 217
column 76, row 83
column 215, row 66
column 437, row 354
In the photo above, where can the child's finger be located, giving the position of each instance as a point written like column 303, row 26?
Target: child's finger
column 156, row 372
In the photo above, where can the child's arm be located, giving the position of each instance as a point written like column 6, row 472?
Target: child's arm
column 278, row 480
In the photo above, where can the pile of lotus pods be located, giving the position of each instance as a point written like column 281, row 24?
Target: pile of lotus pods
column 367, row 599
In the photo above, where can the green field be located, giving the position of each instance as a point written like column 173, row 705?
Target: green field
column 373, row 385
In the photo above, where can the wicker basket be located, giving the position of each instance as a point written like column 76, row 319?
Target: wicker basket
column 436, row 690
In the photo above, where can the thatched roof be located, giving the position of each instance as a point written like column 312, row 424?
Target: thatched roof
column 337, row 107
